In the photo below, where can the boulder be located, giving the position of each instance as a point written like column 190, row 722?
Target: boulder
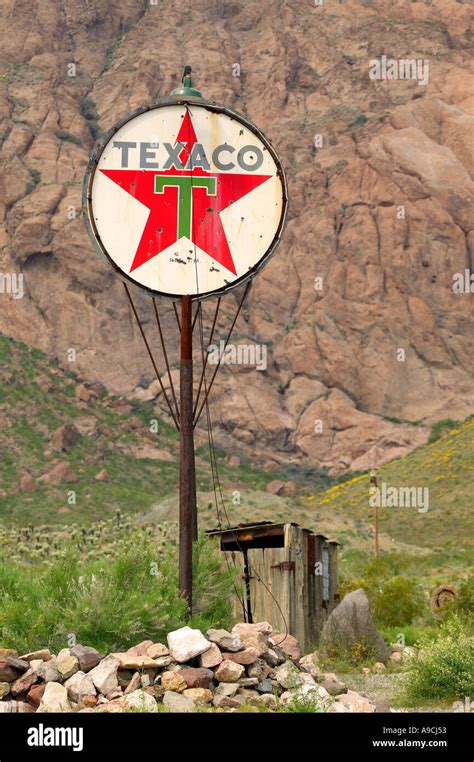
column 163, row 661
column 82, row 393
column 288, row 675
column 54, row 699
column 246, row 657
column 197, row 677
column 104, row 675
column 48, row 671
column 157, row 650
column 228, row 671
column 396, row 657
column 333, row 686
column 66, row 663
column 20, row 664
column 267, row 699
column 5, row 689
column 248, row 682
column 175, row 702
column 134, row 684
column 141, row 700
column 225, row 702
column 174, row 682
column 14, row 707
column 288, row 643
column 265, row 686
column 23, row 683
column 258, row 669
column 44, row 655
column 88, row 657
column 7, row 673
column 252, row 636
column 184, row 644
column 64, row 437
column 79, row 685
column 317, row 693
column 199, row 695
column 226, row 689
column 4, row 652
column 141, row 648
column 35, row 694
column 309, row 660
column 351, row 624
column 379, row 667
column 26, row 483
column 225, row 640
column 212, row 657
column 243, row 628
column 354, row 702
column 132, row 661
column 58, row 473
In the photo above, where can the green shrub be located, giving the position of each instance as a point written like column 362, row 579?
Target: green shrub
column 311, row 703
column 445, row 666
column 465, row 600
column 395, row 599
column 35, row 175
column 111, row 604
column 359, row 122
column 398, row 602
column 68, row 137
column 440, row 428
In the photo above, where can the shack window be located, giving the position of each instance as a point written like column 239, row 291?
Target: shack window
column 325, row 573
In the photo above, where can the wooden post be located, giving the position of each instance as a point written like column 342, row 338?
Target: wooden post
column 187, row 475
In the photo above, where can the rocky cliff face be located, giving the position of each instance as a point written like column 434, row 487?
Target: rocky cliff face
column 357, row 306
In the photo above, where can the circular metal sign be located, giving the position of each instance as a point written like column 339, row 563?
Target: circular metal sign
column 185, row 198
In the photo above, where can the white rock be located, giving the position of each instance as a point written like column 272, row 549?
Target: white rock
column 288, row 675
column 48, row 671
column 67, row 664
column 140, row 700
column 227, row 641
column 212, row 657
column 184, row 644
column 228, row 671
column 104, row 676
column 227, row 689
column 354, row 702
column 54, row 699
column 79, row 685
column 318, row 693
column 176, row 702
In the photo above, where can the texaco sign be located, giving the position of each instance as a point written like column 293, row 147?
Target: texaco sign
column 185, row 198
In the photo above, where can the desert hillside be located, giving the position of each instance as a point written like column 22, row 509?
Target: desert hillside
column 381, row 198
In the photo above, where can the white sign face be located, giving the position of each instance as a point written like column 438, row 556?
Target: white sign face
column 186, row 200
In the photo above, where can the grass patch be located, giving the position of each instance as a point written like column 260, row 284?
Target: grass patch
column 112, row 605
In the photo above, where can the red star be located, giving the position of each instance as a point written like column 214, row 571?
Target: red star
column 206, row 229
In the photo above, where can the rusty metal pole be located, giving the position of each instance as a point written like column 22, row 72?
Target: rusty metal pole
column 187, row 473
column 373, row 479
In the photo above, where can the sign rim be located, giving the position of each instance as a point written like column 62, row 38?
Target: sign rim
column 89, row 179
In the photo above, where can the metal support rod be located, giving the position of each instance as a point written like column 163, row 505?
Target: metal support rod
column 187, row 473
column 197, row 417
column 150, row 355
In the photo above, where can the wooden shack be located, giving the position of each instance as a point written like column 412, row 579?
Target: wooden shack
column 289, row 574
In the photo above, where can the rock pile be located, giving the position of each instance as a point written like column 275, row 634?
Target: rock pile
column 252, row 665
